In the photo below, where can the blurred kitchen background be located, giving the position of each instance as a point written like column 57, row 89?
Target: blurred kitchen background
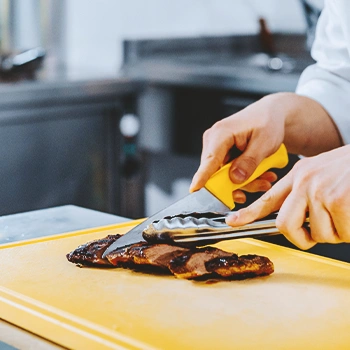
column 103, row 103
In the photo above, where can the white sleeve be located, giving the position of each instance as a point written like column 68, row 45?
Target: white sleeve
column 328, row 81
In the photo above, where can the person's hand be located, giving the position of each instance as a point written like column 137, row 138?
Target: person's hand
column 318, row 187
column 257, row 131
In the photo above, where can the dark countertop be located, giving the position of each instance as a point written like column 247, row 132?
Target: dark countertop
column 171, row 72
column 231, row 63
column 226, row 63
column 56, row 86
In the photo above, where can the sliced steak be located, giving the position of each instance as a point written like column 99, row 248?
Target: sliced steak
column 191, row 264
column 125, row 255
column 157, row 255
column 240, row 267
column 90, row 253
column 188, row 263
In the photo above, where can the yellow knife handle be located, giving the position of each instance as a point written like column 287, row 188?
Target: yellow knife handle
column 221, row 186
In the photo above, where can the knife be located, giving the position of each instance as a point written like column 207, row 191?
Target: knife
column 215, row 196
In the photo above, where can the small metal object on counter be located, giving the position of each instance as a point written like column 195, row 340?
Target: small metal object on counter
column 200, row 229
column 13, row 61
column 21, row 65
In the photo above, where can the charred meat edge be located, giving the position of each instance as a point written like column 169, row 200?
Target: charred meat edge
column 90, row 253
column 250, row 265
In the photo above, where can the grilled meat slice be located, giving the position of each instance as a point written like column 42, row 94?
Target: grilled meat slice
column 191, row 264
column 125, row 255
column 188, row 263
column 90, row 253
column 157, row 255
column 240, row 267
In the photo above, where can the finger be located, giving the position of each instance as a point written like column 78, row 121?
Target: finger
column 216, row 144
column 257, row 186
column 269, row 176
column 244, row 165
column 265, row 205
column 262, row 183
column 321, row 225
column 290, row 220
column 239, row 196
column 201, row 177
column 341, row 220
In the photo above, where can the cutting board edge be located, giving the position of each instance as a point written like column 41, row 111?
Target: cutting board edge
column 20, row 310
column 71, row 234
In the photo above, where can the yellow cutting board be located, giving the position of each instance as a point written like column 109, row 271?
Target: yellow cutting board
column 304, row 304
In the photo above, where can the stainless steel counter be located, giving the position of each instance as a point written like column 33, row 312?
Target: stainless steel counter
column 234, row 78
column 62, row 86
column 51, row 221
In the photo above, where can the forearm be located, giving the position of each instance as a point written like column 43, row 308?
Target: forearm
column 309, row 130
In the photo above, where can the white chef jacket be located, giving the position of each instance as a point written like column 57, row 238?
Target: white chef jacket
column 328, row 81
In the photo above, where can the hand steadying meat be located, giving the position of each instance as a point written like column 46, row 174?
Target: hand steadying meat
column 318, row 185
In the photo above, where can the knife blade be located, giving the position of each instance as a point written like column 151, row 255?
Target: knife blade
column 215, row 196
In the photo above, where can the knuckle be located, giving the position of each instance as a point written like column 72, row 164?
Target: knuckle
column 342, row 236
column 302, row 169
column 267, row 198
column 337, row 202
column 206, row 135
column 304, row 245
column 300, row 164
column 318, row 236
column 282, row 224
column 218, row 126
column 318, row 194
column 213, row 159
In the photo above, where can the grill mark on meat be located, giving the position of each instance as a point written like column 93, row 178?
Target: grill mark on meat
column 157, row 255
column 192, row 263
column 239, row 267
column 90, row 253
column 125, row 255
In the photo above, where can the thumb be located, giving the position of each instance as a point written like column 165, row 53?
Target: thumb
column 244, row 165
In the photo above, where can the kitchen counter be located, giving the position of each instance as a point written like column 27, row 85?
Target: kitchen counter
column 61, row 86
column 36, row 224
column 231, row 63
column 242, row 79
column 58, row 86
column 52, row 221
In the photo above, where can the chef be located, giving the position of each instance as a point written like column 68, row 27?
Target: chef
column 313, row 122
